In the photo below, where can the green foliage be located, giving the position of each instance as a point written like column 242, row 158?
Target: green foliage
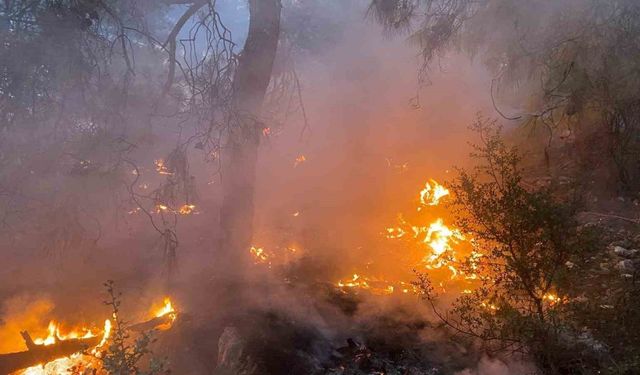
column 532, row 270
column 568, row 66
column 124, row 357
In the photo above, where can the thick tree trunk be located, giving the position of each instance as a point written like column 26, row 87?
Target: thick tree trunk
column 240, row 153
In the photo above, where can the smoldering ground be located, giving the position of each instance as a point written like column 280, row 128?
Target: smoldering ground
column 327, row 188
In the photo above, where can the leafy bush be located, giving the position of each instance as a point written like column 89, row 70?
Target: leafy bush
column 124, row 356
column 535, row 263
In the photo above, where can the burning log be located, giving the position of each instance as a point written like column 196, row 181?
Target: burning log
column 40, row 354
column 57, row 346
column 157, row 322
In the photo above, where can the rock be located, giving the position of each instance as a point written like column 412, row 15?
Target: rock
column 625, row 266
column 231, row 354
column 625, row 253
column 621, row 243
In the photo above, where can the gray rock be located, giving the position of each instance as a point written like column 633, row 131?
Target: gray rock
column 625, row 253
column 625, row 266
column 232, row 359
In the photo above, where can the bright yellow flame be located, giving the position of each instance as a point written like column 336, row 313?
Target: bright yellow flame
column 439, row 237
column 397, row 232
column 54, row 334
column 489, row 306
column 431, row 194
column 259, row 255
column 553, row 299
column 167, row 308
column 106, row 333
column 78, row 361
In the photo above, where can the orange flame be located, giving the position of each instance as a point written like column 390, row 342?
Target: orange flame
column 77, row 360
column 186, row 209
column 259, row 255
column 299, row 160
column 374, row 285
column 161, row 167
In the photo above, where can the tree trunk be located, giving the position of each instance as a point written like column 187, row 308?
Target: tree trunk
column 240, row 153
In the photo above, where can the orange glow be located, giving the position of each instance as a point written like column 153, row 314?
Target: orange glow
column 553, row 299
column 186, row 209
column 373, row 285
column 161, row 168
column 299, row 160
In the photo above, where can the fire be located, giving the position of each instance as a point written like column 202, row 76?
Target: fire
column 299, row 160
column 105, row 335
column 439, row 237
column 76, row 361
column 186, row 209
column 431, row 194
column 553, row 299
column 60, row 366
column 374, row 285
column 85, row 362
column 433, row 236
column 259, row 255
column 54, row 334
column 395, row 233
column 161, row 167
column 489, row 306
column 167, row 308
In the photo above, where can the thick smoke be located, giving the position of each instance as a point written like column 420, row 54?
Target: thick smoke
column 375, row 134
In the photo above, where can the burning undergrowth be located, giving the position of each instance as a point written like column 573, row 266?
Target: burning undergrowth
column 306, row 320
column 297, row 312
column 70, row 347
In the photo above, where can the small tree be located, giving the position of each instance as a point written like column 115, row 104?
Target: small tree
column 523, row 240
column 123, row 356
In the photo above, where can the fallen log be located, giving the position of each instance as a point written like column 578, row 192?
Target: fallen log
column 40, row 354
column 150, row 324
